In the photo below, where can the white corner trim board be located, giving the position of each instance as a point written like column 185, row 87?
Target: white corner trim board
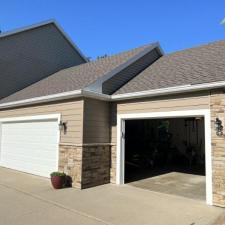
column 170, row 114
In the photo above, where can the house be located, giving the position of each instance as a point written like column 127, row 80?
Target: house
column 89, row 118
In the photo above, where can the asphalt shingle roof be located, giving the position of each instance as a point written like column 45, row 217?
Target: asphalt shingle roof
column 74, row 78
column 197, row 65
column 203, row 64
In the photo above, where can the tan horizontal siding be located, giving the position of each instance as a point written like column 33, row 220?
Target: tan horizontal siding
column 175, row 103
column 96, row 121
column 71, row 112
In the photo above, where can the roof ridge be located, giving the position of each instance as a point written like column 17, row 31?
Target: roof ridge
column 108, row 57
column 196, row 47
column 125, row 51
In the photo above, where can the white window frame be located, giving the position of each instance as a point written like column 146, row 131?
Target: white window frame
column 33, row 118
column 159, row 115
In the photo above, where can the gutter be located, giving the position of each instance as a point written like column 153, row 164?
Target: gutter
column 170, row 90
column 56, row 97
column 43, row 99
column 118, row 97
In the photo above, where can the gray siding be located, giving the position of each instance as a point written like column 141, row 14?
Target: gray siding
column 31, row 55
column 121, row 78
column 96, row 121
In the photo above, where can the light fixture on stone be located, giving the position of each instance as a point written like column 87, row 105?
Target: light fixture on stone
column 218, row 127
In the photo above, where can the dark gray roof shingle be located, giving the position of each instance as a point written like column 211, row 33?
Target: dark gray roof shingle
column 74, row 78
column 197, row 65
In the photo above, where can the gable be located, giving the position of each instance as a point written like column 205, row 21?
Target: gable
column 32, row 54
column 121, row 78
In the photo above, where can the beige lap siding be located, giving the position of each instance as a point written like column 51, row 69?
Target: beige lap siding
column 96, row 121
column 71, row 112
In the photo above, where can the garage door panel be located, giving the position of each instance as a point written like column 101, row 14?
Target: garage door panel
column 36, row 155
column 34, row 141
column 30, row 146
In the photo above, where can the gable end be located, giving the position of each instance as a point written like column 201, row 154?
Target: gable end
column 114, row 83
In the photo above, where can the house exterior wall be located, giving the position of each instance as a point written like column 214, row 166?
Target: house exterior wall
column 84, row 149
column 87, row 151
column 71, row 112
column 70, row 146
column 96, row 121
column 159, row 104
column 33, row 55
column 96, row 154
column 214, row 100
column 217, row 105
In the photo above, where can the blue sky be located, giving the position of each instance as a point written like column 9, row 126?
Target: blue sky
column 106, row 27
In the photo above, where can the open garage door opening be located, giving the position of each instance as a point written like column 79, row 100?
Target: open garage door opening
column 166, row 155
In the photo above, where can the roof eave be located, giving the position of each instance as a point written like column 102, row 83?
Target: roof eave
column 43, row 99
column 118, row 97
column 55, row 97
column 169, row 91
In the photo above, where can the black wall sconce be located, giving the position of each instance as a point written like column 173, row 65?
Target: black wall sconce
column 63, row 126
column 218, row 127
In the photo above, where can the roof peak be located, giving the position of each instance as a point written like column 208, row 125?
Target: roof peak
column 41, row 24
column 26, row 28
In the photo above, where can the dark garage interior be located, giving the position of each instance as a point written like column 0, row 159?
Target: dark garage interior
column 155, row 147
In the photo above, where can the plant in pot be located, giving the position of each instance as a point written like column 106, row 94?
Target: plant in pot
column 58, row 179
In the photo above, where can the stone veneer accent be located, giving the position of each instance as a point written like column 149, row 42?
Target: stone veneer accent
column 96, row 165
column 217, row 105
column 87, row 164
column 70, row 162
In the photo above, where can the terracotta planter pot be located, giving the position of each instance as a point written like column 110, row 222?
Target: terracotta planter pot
column 58, row 181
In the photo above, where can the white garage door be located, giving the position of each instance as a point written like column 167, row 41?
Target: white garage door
column 30, row 146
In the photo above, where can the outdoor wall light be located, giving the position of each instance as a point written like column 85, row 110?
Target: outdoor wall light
column 63, row 126
column 218, row 127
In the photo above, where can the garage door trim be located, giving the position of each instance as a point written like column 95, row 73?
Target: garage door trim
column 166, row 114
column 57, row 117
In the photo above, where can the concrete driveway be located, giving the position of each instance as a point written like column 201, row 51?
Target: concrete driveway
column 27, row 199
column 175, row 183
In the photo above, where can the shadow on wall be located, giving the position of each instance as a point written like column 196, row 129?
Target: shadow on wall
column 113, row 121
